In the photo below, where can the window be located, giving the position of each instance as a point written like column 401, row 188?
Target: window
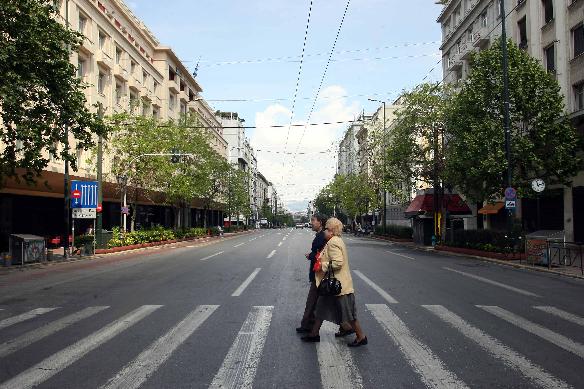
column 155, row 87
column 456, row 17
column 484, row 19
column 133, row 101
column 469, row 34
column 578, row 37
column 101, row 83
column 133, row 66
column 119, row 54
column 145, row 109
column 102, row 39
column 82, row 23
column 548, row 11
column 550, row 59
column 579, row 97
column 144, row 78
column 155, row 112
column 183, row 109
column 497, row 9
column 522, row 27
column 119, row 94
column 171, row 101
column 81, row 68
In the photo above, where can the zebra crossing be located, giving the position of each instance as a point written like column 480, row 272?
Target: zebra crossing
column 338, row 365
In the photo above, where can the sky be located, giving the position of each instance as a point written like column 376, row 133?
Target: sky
column 249, row 56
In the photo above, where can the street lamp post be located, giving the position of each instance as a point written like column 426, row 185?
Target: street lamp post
column 66, row 189
column 122, row 180
column 506, row 115
column 384, row 146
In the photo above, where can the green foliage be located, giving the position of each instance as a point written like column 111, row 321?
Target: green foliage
column 353, row 194
column 415, row 144
column 393, row 231
column 488, row 240
column 82, row 240
column 157, row 234
column 40, row 94
column 544, row 144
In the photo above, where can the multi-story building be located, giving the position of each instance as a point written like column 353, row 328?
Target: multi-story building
column 551, row 31
column 348, row 149
column 241, row 154
column 126, row 70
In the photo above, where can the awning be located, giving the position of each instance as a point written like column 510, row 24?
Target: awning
column 491, row 209
column 423, row 204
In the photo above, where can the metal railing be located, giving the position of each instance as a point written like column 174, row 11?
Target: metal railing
column 565, row 254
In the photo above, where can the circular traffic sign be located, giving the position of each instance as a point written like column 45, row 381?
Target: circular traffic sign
column 510, row 193
column 76, row 194
column 99, row 208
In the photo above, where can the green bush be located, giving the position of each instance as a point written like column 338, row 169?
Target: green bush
column 157, row 234
column 393, row 231
column 488, row 240
column 82, row 240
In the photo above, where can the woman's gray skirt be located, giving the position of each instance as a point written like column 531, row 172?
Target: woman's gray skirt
column 335, row 309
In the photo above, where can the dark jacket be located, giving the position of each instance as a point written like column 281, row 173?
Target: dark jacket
column 317, row 245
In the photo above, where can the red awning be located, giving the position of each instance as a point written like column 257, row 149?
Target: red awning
column 425, row 204
column 491, row 209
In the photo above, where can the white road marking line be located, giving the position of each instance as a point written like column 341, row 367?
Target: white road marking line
column 190, row 247
column 510, row 358
column 238, row 245
column 562, row 314
column 544, row 333
column 284, row 238
column 400, row 255
column 25, row 316
column 271, row 254
column 134, row 374
column 251, row 240
column 211, row 256
column 488, row 281
column 52, row 365
column 279, row 244
column 428, row 366
column 30, row 337
column 246, row 283
column 337, row 369
column 239, row 367
column 376, row 287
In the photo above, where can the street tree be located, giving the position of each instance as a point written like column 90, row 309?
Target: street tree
column 41, row 98
column 415, row 153
column 215, row 180
column 543, row 142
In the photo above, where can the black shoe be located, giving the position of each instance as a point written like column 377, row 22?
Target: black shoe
column 343, row 332
column 311, row 339
column 356, row 343
column 302, row 330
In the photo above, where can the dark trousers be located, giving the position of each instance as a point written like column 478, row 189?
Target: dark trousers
column 308, row 317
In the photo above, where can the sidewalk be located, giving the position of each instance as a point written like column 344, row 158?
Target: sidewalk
column 573, row 271
column 59, row 259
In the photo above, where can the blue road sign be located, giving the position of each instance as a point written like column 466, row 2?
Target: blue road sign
column 88, row 191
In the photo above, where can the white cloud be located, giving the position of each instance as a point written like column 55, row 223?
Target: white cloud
column 300, row 178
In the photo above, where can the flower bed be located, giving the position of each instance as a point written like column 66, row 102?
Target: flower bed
column 481, row 253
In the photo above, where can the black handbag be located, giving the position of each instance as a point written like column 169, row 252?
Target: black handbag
column 329, row 286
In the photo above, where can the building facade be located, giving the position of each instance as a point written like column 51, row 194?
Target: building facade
column 126, row 70
column 552, row 31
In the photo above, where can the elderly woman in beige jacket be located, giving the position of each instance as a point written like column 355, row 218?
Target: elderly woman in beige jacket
column 340, row 308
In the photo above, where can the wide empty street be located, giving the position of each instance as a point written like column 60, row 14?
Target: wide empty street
column 223, row 314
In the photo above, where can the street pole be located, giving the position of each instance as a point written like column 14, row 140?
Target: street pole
column 66, row 191
column 99, row 220
column 383, row 161
column 506, row 115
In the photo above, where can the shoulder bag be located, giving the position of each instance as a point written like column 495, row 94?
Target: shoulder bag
column 329, row 286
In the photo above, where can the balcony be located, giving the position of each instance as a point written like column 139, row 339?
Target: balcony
column 480, row 38
column 454, row 62
column 104, row 59
column 173, row 85
column 121, row 72
column 466, row 51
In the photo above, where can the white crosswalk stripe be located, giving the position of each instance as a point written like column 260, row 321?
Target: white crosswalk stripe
column 562, row 314
column 536, row 329
column 510, row 358
column 25, row 316
column 34, row 336
column 337, row 369
column 427, row 365
column 376, row 287
column 239, row 367
column 64, row 358
column 138, row 371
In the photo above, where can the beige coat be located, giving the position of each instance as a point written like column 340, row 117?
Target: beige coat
column 336, row 251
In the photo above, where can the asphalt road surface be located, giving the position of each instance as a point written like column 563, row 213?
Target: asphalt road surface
column 223, row 315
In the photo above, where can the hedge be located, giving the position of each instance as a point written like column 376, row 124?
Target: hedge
column 487, row 240
column 393, row 231
column 157, row 234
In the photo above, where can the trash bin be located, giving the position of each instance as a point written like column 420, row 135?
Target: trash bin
column 26, row 248
column 536, row 245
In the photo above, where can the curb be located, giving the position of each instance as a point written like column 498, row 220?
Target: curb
column 74, row 259
column 485, row 259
